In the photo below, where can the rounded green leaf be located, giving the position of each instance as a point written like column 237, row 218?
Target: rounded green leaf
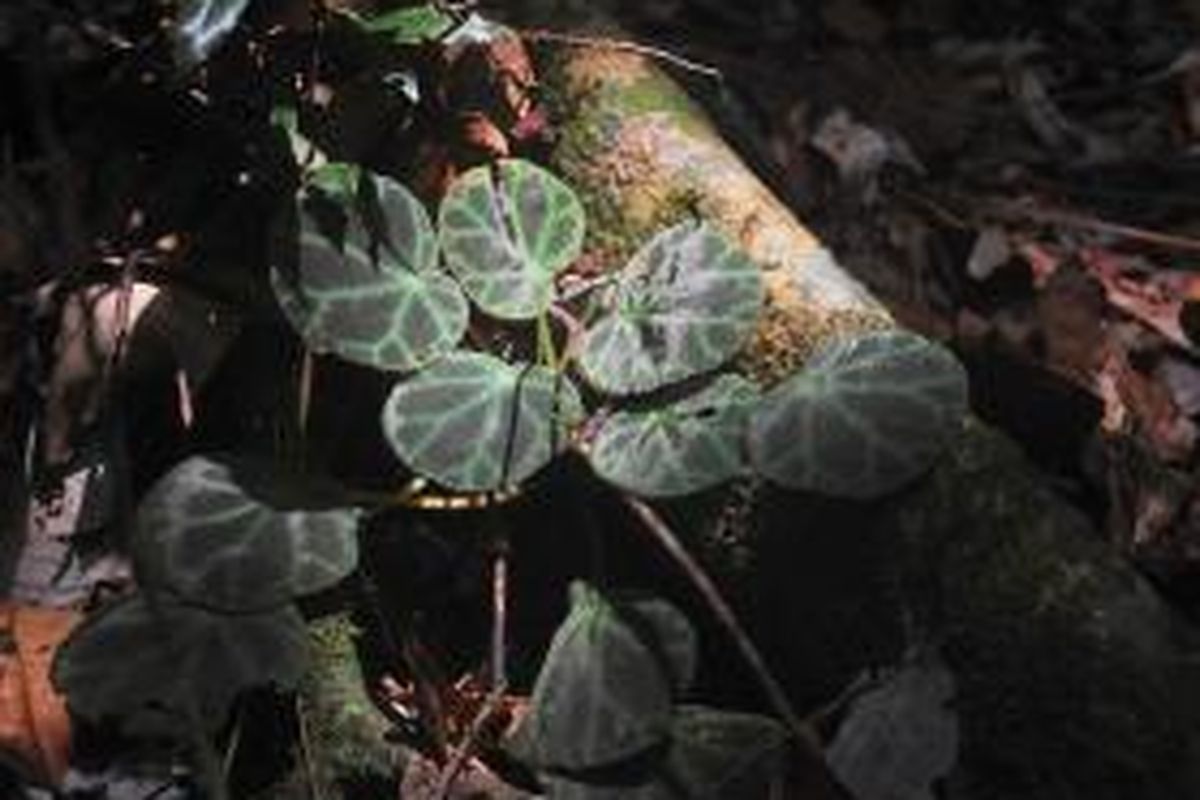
column 713, row 754
column 507, row 229
column 474, row 423
column 685, row 303
column 668, row 634
column 140, row 662
column 863, row 417
column 374, row 300
column 690, row 445
column 602, row 695
column 220, row 534
column 401, row 226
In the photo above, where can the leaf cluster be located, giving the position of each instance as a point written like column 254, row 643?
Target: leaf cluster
column 658, row 412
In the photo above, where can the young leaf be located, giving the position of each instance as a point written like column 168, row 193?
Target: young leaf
column 138, row 661
column 682, row 448
column 685, row 303
column 602, row 695
column 411, row 25
column 375, row 299
column 337, row 179
column 474, row 423
column 201, row 25
column 204, row 533
column 713, row 755
column 507, row 230
column 865, row 416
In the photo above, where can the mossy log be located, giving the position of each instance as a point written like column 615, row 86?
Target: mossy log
column 1074, row 679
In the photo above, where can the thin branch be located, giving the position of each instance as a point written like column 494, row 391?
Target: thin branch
column 306, row 752
column 657, row 53
column 463, row 752
column 667, row 539
column 1011, row 211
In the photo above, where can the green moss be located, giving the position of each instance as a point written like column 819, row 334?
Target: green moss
column 344, row 727
column 653, row 93
column 1067, row 687
column 594, row 120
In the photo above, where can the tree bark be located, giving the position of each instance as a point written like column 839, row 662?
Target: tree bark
column 1074, row 679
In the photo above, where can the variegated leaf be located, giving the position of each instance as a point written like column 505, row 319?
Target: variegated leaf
column 685, row 303
column 507, row 229
column 376, row 300
column 207, row 532
column 602, row 695
column 474, row 423
column 690, row 445
column 864, row 416
column 201, row 26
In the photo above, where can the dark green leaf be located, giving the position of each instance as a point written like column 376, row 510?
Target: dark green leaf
column 473, row 423
column 685, row 303
column 865, row 416
column 375, row 299
column 141, row 662
column 602, row 695
column 201, row 25
column 690, row 445
column 204, row 534
column 714, row 755
column 667, row 633
column 507, row 230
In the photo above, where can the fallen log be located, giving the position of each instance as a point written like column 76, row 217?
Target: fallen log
column 1074, row 679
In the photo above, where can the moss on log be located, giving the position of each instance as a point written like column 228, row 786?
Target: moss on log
column 645, row 156
column 1074, row 679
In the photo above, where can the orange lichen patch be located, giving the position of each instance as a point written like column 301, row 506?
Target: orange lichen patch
column 34, row 725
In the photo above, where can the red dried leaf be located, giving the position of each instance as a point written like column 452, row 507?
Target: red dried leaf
column 34, row 725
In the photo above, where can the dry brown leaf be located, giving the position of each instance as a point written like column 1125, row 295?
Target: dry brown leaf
column 34, row 725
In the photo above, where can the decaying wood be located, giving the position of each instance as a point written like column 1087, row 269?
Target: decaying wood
column 1074, row 679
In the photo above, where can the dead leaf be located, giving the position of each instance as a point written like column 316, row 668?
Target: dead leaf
column 990, row 251
column 34, row 725
column 1156, row 302
column 1170, row 433
column 1071, row 315
column 424, row 779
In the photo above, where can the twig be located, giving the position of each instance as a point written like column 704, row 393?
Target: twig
column 500, row 547
column 304, row 390
column 667, row 539
column 574, row 40
column 235, row 741
column 306, row 752
column 1018, row 211
column 463, row 752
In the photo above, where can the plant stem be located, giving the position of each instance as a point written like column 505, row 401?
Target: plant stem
column 545, row 342
column 500, row 548
column 667, row 539
column 656, row 53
